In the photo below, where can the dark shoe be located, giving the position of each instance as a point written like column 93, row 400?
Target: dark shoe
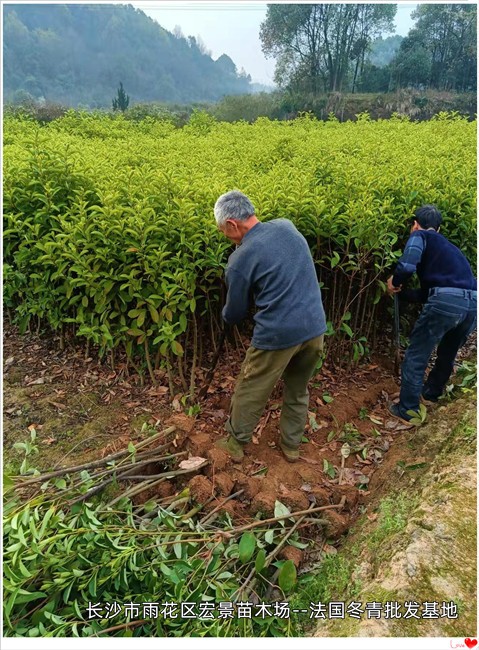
column 429, row 401
column 394, row 411
column 232, row 447
column 291, row 455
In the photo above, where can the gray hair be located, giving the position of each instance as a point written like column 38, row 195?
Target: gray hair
column 233, row 205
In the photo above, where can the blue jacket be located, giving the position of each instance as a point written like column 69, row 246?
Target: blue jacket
column 273, row 263
column 437, row 262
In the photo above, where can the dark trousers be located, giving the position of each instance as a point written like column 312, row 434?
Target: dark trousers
column 447, row 319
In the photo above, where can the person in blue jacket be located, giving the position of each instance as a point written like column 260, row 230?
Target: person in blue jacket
column 449, row 293
column 272, row 266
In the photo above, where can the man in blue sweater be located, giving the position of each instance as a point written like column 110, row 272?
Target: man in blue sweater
column 272, row 264
column 449, row 291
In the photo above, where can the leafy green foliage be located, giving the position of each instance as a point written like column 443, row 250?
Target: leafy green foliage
column 418, row 417
column 59, row 558
column 247, row 546
column 287, row 576
column 328, row 468
column 109, row 233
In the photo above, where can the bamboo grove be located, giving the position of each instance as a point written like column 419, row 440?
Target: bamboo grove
column 109, row 234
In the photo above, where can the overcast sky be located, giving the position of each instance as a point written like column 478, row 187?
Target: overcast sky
column 232, row 28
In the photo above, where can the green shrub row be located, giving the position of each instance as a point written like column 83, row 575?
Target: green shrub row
column 109, row 232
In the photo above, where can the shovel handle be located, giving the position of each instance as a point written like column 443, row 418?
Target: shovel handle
column 396, row 321
column 209, row 376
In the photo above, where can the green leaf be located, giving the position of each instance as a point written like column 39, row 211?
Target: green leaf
column 269, row 536
column 296, row 544
column 155, row 316
column 46, row 519
column 134, row 331
column 280, row 509
column 177, row 348
column 334, row 260
column 327, row 398
column 26, row 596
column 247, row 545
column 131, row 448
column 260, row 561
column 287, row 576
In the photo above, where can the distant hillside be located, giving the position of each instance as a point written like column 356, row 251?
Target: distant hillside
column 78, row 54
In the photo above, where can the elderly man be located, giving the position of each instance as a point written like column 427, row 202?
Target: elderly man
column 448, row 289
column 273, row 263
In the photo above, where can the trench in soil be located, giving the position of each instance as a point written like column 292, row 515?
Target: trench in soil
column 82, row 410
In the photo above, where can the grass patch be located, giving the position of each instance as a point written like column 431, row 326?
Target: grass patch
column 332, row 579
column 393, row 515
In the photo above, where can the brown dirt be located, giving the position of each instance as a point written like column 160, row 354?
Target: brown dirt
column 199, row 444
column 292, row 553
column 218, row 459
column 201, row 488
column 264, row 503
column 337, row 524
column 223, row 484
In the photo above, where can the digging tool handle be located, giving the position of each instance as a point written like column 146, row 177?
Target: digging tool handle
column 396, row 321
column 209, row 376
column 397, row 341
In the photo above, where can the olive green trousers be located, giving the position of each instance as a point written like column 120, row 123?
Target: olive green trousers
column 260, row 371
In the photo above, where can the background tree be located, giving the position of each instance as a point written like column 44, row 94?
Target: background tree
column 121, row 101
column 411, row 67
column 317, row 45
column 442, row 43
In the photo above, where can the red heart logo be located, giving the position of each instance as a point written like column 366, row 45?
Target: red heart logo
column 470, row 642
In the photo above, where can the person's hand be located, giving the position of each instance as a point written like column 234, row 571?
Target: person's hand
column 391, row 288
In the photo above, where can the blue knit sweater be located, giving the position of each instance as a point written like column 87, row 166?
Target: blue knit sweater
column 273, row 264
column 437, row 262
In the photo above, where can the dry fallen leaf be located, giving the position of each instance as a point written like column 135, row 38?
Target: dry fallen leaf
column 309, row 461
column 160, row 390
column 58, row 405
column 330, row 550
column 176, row 405
column 40, row 380
column 192, row 463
